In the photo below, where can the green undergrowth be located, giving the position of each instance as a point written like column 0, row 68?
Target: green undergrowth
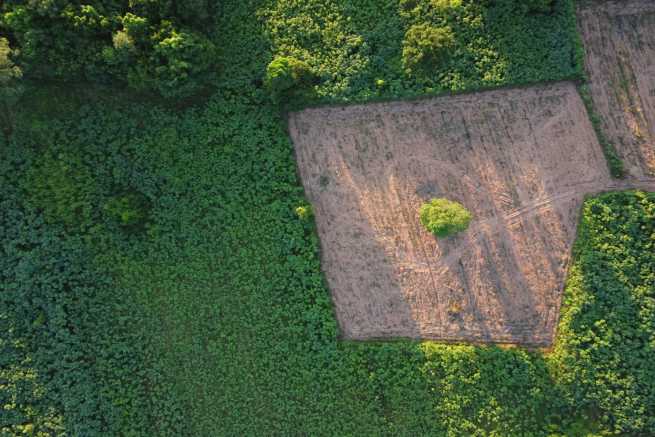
column 614, row 162
column 356, row 47
column 160, row 276
column 605, row 356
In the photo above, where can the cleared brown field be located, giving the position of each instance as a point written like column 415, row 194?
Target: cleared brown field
column 619, row 39
column 520, row 160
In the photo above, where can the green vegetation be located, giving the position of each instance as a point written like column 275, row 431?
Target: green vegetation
column 10, row 86
column 444, row 217
column 424, row 46
column 614, row 163
column 466, row 45
column 284, row 74
column 605, row 353
column 538, row 6
column 305, row 212
column 129, row 210
column 61, row 188
column 213, row 318
column 163, row 46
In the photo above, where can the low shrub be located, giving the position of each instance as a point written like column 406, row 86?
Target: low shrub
column 425, row 45
column 305, row 212
column 614, row 162
column 539, row 6
column 481, row 43
column 444, row 217
column 284, row 74
column 129, row 210
column 61, row 186
column 604, row 352
column 513, row 7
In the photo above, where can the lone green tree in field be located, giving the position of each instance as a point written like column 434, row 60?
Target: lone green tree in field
column 444, row 217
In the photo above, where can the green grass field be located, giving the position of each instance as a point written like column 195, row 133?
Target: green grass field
column 210, row 316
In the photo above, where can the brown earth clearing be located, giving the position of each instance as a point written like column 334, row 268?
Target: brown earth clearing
column 619, row 39
column 521, row 160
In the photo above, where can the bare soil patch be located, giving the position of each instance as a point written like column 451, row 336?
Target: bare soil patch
column 521, row 160
column 619, row 39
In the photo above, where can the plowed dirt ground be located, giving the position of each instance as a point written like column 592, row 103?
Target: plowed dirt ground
column 521, row 160
column 619, row 39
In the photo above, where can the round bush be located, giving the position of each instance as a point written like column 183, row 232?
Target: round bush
column 285, row 73
column 304, row 212
column 444, row 217
column 425, row 45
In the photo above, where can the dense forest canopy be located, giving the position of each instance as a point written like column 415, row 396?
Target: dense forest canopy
column 164, row 46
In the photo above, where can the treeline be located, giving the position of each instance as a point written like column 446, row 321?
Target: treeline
column 163, row 46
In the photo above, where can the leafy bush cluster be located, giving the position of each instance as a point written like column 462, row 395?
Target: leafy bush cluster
column 129, row 210
column 285, row 74
column 425, row 45
column 606, row 351
column 62, row 187
column 539, row 6
column 75, row 360
column 215, row 318
column 163, row 46
column 65, row 191
column 414, row 47
column 525, row 6
column 10, row 86
column 444, row 217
